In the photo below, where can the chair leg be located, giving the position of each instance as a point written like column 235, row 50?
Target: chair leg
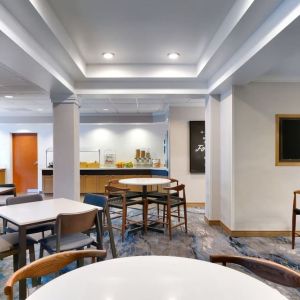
column 124, row 221
column 185, row 217
column 145, row 215
column 15, row 262
column 41, row 251
column 157, row 209
column 178, row 213
column 111, row 234
column 164, row 215
column 293, row 229
column 169, row 220
column 35, row 281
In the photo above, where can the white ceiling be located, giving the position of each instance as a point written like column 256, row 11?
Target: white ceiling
column 141, row 31
column 55, row 46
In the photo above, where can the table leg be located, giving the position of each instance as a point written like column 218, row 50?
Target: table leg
column 145, row 207
column 22, row 260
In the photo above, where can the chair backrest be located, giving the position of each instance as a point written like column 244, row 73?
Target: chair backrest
column 48, row 265
column 97, row 200
column 75, row 223
column 11, row 187
column 23, row 199
column 111, row 191
column 179, row 189
column 113, row 181
column 295, row 198
column 263, row 268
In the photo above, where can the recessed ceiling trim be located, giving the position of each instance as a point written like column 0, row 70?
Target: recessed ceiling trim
column 140, row 71
column 53, row 23
column 283, row 16
column 141, row 91
column 236, row 13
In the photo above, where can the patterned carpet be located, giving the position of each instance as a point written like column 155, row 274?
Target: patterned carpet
column 200, row 242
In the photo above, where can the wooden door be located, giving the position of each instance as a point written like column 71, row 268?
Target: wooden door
column 25, row 167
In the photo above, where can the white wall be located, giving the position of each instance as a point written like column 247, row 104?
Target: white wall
column 263, row 191
column 179, row 118
column 122, row 138
column 226, row 159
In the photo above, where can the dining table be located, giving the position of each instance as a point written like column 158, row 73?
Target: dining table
column 145, row 182
column 4, row 190
column 155, row 277
column 34, row 213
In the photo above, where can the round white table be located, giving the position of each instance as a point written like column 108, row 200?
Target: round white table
column 155, row 278
column 144, row 182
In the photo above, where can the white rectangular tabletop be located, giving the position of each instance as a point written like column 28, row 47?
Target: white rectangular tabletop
column 42, row 211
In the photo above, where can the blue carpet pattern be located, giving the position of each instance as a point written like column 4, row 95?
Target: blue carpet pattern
column 200, row 242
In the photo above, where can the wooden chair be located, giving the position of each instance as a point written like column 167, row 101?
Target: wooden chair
column 101, row 201
column 9, row 227
column 263, row 268
column 117, row 199
column 155, row 194
column 69, row 233
column 175, row 199
column 49, row 264
column 296, row 211
column 129, row 194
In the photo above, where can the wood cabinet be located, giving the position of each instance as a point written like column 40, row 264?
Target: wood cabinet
column 47, row 184
column 2, row 175
column 95, row 183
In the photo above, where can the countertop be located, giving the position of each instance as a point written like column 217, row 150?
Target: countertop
column 114, row 168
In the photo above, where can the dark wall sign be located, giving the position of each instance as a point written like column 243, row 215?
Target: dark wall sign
column 197, row 146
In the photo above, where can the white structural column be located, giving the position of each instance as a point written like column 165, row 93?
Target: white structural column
column 66, row 181
column 212, row 157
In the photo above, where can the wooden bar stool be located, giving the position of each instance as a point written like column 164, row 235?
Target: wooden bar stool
column 296, row 211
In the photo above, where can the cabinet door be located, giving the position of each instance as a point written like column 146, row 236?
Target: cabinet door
column 47, row 184
column 91, row 184
column 102, row 182
column 2, row 176
column 82, row 184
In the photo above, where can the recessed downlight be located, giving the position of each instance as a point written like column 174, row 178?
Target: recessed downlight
column 106, row 109
column 8, row 96
column 108, row 55
column 40, row 109
column 173, row 55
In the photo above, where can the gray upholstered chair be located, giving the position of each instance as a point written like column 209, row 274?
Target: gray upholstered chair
column 70, row 233
column 9, row 227
column 9, row 245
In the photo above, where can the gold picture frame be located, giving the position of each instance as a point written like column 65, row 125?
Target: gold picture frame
column 278, row 161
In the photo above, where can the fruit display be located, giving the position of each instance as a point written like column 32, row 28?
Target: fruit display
column 122, row 164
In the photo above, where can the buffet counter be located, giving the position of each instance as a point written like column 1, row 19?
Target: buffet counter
column 93, row 180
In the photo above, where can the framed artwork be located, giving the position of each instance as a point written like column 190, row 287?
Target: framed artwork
column 197, row 146
column 287, row 146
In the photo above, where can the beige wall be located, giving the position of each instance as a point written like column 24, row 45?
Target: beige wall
column 263, row 191
column 179, row 118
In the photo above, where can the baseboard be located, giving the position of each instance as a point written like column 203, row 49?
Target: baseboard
column 195, row 204
column 248, row 233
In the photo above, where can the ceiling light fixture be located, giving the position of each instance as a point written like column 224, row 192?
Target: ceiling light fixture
column 8, row 96
column 173, row 55
column 108, row 55
column 40, row 109
column 105, row 109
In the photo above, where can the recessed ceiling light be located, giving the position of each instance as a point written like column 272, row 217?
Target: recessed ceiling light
column 108, row 55
column 173, row 55
column 8, row 96
column 40, row 109
column 105, row 109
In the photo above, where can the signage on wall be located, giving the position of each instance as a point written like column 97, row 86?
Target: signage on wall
column 197, row 146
